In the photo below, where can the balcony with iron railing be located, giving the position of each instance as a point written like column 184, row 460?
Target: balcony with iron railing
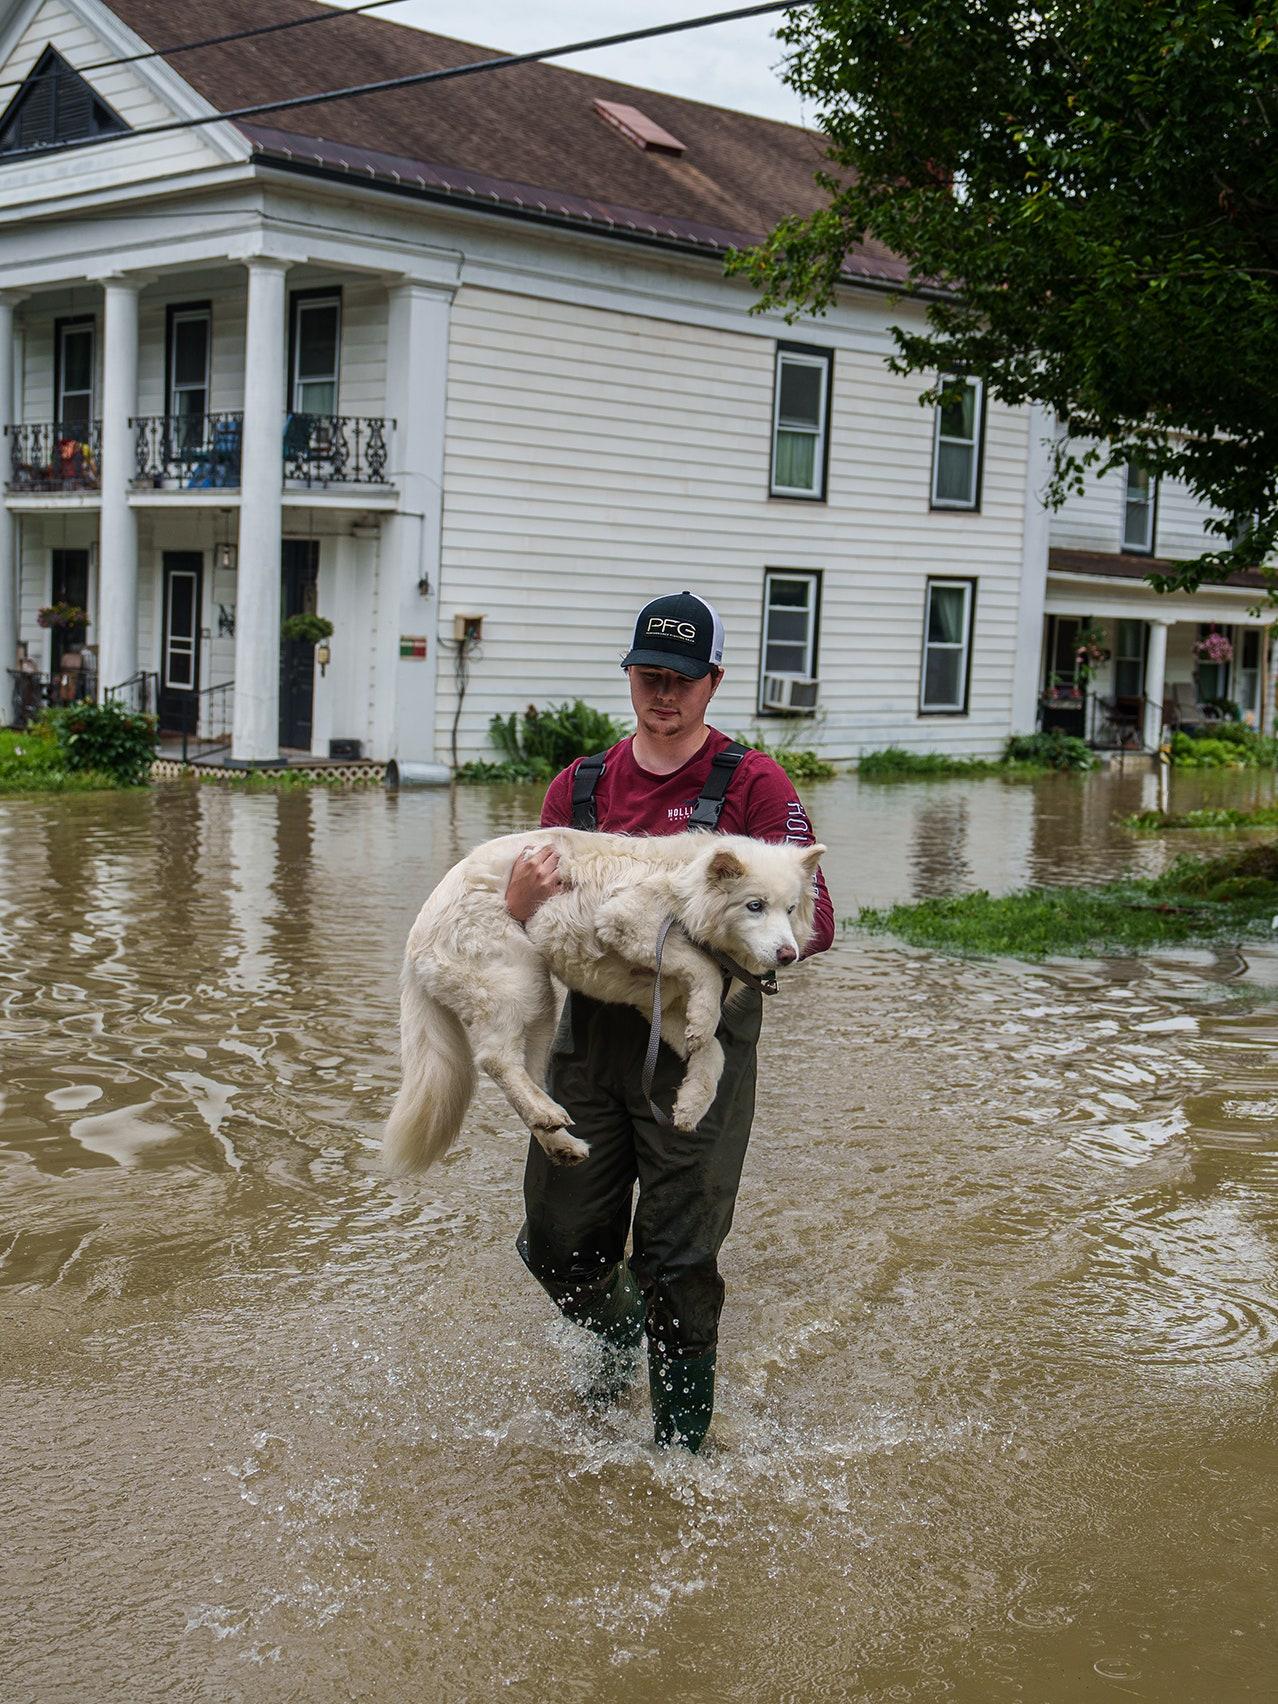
column 55, row 456
column 202, row 451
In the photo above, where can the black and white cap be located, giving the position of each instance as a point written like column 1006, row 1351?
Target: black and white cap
column 681, row 632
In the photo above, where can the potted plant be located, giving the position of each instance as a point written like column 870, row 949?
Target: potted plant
column 314, row 630
column 1090, row 651
column 1214, row 647
column 57, row 615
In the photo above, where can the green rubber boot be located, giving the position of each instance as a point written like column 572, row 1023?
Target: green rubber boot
column 616, row 1318
column 682, row 1389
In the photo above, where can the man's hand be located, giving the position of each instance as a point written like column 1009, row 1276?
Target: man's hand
column 534, row 880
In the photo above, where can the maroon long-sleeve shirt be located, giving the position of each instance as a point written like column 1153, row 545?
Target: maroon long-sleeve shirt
column 761, row 802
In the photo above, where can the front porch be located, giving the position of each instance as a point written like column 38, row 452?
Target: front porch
column 1123, row 667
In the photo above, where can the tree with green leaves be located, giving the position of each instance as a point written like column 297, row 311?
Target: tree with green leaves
column 1086, row 195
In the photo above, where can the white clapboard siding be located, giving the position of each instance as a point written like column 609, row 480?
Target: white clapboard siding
column 1093, row 518
column 362, row 364
column 125, row 88
column 595, row 459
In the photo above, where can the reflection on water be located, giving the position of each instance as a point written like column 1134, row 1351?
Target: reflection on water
column 997, row 1416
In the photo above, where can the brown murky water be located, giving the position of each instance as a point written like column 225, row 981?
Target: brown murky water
column 998, row 1405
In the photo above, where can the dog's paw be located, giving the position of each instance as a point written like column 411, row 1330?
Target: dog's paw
column 560, row 1148
column 695, row 1038
column 690, row 1109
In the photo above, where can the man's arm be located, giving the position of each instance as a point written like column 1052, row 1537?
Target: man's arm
column 774, row 811
column 534, row 880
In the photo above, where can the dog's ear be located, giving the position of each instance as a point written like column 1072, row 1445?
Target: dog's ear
column 812, row 856
column 725, row 866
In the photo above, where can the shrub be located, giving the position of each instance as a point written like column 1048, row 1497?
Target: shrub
column 105, row 738
column 1055, row 749
column 799, row 763
column 538, row 744
column 306, row 629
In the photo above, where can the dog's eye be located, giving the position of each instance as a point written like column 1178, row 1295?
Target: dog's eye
column 755, row 905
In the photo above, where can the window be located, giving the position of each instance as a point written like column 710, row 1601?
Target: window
column 54, row 105
column 74, row 360
column 1213, row 678
column 190, row 335
column 947, row 646
column 956, row 450
column 1138, row 510
column 314, row 354
column 1247, row 674
column 1129, row 660
column 791, row 604
column 800, row 423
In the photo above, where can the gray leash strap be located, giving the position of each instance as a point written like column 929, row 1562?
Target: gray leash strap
column 654, row 1033
column 764, row 984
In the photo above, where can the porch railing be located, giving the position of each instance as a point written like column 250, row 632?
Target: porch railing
column 187, row 452
column 206, row 722
column 139, row 693
column 32, row 692
column 55, row 455
column 336, row 449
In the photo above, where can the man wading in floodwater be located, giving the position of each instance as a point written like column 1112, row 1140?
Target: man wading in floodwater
column 673, row 773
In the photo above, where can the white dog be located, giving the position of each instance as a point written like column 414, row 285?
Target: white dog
column 477, row 985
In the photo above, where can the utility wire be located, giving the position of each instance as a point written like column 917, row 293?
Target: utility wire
column 211, row 41
column 417, row 78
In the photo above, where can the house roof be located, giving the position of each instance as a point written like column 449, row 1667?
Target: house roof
column 1114, row 567
column 526, row 139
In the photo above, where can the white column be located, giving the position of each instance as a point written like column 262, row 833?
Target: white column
column 1155, row 682
column 1033, row 589
column 117, row 612
column 9, row 567
column 257, row 597
column 417, row 376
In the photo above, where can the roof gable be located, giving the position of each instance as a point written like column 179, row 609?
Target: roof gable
column 54, row 106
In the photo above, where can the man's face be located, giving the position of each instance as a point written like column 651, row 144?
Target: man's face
column 668, row 703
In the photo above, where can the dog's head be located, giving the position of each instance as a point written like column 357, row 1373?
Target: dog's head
column 752, row 900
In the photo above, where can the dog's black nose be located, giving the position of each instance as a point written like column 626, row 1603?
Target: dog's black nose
column 786, row 955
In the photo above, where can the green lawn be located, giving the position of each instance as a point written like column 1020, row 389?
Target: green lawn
column 33, row 762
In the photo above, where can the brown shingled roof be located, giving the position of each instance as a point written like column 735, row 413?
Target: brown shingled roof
column 523, row 134
column 1116, row 567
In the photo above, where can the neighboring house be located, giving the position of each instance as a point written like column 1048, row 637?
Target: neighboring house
column 458, row 368
column 1102, row 544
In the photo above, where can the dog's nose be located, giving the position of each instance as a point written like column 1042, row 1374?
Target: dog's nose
column 786, row 955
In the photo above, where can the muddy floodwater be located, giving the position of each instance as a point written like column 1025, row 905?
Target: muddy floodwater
column 997, row 1415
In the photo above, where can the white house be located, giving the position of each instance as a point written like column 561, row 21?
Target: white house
column 457, row 368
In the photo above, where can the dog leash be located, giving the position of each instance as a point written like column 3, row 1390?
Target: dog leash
column 734, row 971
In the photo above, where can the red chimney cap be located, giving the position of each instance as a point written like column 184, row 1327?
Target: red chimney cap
column 636, row 127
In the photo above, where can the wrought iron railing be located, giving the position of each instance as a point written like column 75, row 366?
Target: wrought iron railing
column 206, row 722
column 139, row 693
column 187, row 452
column 336, row 449
column 55, row 455
column 33, row 692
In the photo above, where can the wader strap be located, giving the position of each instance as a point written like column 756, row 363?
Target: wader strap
column 584, row 782
column 709, row 807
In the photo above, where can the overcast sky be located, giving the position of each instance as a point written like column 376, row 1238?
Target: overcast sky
column 733, row 65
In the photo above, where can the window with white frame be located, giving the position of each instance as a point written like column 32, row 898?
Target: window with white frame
column 947, row 645
column 1247, row 674
column 800, row 422
column 76, row 362
column 1129, row 659
column 956, row 448
column 1138, row 510
column 316, row 343
column 791, row 606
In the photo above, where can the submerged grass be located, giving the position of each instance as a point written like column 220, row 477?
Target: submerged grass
column 1154, row 822
column 1197, row 900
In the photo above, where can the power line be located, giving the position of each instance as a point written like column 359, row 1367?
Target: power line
column 211, row 41
column 418, row 78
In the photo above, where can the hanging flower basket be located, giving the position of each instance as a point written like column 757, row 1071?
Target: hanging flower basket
column 1090, row 651
column 1214, row 647
column 62, row 615
column 306, row 629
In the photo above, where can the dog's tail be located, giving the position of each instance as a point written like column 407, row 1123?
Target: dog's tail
column 438, row 1082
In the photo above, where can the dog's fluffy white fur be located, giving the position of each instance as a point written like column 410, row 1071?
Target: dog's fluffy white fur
column 477, row 987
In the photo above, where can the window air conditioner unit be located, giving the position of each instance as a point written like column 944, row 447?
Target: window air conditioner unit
column 790, row 692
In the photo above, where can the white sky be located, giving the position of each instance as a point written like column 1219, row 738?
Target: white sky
column 732, row 65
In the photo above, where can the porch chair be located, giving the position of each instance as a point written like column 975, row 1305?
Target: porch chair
column 1188, row 712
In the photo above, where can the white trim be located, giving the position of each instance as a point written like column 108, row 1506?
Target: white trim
column 973, row 443
column 811, row 608
column 963, row 647
column 822, row 361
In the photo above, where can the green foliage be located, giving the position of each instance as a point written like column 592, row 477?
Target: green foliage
column 32, row 761
column 1198, row 900
column 538, row 744
column 1155, row 822
column 62, row 615
column 1223, row 745
column 1023, row 755
column 1055, row 749
column 306, row 629
column 1097, row 179
column 107, row 739
column 799, row 763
